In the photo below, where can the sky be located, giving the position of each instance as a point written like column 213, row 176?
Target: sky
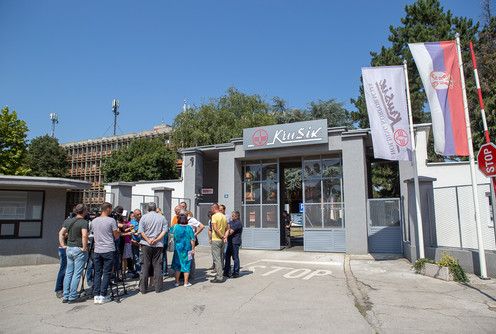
column 73, row 58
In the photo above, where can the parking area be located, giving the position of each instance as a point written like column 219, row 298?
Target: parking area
column 277, row 291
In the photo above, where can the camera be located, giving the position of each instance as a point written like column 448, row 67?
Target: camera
column 117, row 213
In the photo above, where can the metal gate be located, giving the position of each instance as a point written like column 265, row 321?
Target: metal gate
column 384, row 225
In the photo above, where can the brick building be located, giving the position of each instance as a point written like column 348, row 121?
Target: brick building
column 85, row 158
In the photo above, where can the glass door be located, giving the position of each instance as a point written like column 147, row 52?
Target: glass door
column 323, row 207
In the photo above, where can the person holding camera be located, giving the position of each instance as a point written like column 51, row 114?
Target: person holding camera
column 152, row 229
column 105, row 230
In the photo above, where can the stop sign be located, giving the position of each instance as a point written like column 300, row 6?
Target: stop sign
column 486, row 159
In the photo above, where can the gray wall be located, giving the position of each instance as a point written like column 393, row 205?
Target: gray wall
column 193, row 175
column 355, row 195
column 228, row 180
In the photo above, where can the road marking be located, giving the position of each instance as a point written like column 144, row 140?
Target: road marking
column 292, row 273
column 276, row 269
column 303, row 262
column 318, row 273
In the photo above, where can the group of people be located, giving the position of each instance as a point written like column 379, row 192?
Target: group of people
column 139, row 243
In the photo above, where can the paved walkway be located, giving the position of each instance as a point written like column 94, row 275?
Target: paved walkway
column 279, row 292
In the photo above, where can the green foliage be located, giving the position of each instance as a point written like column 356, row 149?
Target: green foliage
column 385, row 179
column 141, row 160
column 446, row 261
column 425, row 21
column 454, row 267
column 292, row 181
column 331, row 110
column 13, row 146
column 220, row 119
column 419, row 265
column 485, row 54
column 46, row 158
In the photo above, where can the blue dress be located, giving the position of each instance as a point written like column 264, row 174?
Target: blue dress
column 183, row 234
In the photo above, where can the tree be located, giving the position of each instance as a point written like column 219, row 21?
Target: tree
column 12, row 143
column 331, row 110
column 485, row 54
column 425, row 21
column 46, row 157
column 220, row 119
column 141, row 160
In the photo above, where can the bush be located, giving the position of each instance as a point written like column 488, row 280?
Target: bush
column 446, row 261
column 454, row 267
column 420, row 264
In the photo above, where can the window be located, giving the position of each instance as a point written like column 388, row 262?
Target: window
column 323, row 192
column 21, row 214
column 261, row 188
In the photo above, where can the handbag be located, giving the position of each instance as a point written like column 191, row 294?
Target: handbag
column 170, row 242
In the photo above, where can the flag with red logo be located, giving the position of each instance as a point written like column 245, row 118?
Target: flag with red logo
column 385, row 95
column 437, row 63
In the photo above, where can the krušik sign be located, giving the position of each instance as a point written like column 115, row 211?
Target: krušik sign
column 282, row 135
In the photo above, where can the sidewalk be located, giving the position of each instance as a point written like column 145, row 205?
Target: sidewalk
column 278, row 292
column 397, row 300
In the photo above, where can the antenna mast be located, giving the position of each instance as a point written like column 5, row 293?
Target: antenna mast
column 55, row 120
column 115, row 106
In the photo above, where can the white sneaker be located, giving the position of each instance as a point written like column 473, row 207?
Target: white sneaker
column 97, row 300
column 104, row 300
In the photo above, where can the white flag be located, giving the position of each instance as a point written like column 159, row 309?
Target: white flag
column 388, row 114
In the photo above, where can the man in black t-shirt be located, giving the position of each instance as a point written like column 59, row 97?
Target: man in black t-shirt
column 76, row 250
column 287, row 227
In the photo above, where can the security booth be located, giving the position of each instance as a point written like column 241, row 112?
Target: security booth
column 248, row 175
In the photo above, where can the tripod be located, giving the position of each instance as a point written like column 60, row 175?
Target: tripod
column 117, row 268
column 90, row 257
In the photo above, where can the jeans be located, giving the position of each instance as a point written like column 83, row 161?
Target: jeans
column 136, row 258
column 218, row 254
column 225, row 252
column 103, row 270
column 89, row 272
column 232, row 250
column 76, row 259
column 59, row 286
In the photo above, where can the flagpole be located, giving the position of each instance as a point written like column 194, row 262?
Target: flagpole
column 484, row 122
column 415, row 170
column 482, row 255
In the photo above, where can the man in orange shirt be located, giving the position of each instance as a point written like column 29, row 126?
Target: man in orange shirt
column 177, row 210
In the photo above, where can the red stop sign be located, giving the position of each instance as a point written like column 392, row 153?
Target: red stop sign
column 486, row 159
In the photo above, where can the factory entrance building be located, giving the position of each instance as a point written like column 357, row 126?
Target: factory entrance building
column 249, row 175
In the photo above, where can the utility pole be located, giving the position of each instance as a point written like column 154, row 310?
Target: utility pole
column 115, row 106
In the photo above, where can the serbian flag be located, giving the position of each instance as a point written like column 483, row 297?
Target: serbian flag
column 437, row 63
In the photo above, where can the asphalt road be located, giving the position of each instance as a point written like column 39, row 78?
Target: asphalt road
column 278, row 292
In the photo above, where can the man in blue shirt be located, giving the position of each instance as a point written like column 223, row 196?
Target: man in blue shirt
column 234, row 243
column 135, row 243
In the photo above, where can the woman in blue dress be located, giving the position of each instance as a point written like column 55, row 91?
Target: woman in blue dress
column 184, row 244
